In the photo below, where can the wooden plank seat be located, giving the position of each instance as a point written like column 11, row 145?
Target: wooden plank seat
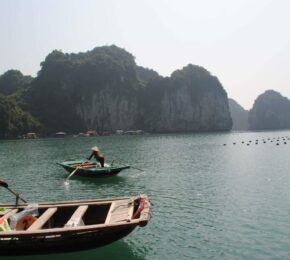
column 10, row 213
column 107, row 221
column 76, row 218
column 39, row 223
column 120, row 211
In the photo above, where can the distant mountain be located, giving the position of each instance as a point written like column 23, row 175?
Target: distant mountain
column 13, row 80
column 270, row 111
column 14, row 120
column 191, row 99
column 104, row 90
column 91, row 90
column 239, row 116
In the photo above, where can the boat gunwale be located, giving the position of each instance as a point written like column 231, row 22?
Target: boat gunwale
column 54, row 232
column 64, row 202
column 68, row 164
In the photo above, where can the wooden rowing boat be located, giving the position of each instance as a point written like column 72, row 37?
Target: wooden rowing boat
column 90, row 169
column 73, row 225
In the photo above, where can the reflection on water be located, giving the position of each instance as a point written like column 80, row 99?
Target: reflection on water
column 118, row 250
column 91, row 182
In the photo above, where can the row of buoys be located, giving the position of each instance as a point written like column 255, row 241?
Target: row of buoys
column 279, row 139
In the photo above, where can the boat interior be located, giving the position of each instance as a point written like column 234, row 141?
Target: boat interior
column 72, row 215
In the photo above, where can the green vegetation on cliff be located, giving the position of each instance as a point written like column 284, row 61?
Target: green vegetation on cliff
column 104, row 90
column 145, row 75
column 191, row 99
column 67, row 80
column 14, row 121
column 12, row 81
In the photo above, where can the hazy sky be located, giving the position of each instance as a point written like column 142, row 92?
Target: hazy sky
column 245, row 43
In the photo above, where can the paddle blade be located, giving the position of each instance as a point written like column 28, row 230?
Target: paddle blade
column 71, row 174
column 3, row 184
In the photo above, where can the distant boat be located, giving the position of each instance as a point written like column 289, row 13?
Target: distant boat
column 31, row 136
column 66, row 226
column 90, row 169
column 60, row 134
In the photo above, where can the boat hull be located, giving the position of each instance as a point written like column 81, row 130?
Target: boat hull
column 66, row 226
column 93, row 171
column 70, row 243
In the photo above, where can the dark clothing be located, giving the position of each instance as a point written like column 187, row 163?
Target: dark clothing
column 98, row 156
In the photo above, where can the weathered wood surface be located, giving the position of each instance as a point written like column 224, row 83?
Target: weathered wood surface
column 72, row 202
column 10, row 213
column 119, row 216
column 39, row 223
column 76, row 218
column 121, row 211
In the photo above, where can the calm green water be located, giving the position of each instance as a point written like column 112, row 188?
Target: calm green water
column 209, row 200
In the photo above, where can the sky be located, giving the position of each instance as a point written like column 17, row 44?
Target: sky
column 245, row 43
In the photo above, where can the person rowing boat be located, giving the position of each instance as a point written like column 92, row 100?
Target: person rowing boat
column 98, row 155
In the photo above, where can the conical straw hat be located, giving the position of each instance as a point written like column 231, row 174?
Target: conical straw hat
column 95, row 148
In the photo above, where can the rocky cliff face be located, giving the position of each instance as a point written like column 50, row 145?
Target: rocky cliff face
column 94, row 90
column 105, row 111
column 183, row 112
column 104, row 90
column 190, row 100
column 270, row 111
column 239, row 116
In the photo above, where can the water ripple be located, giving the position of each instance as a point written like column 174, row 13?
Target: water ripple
column 209, row 201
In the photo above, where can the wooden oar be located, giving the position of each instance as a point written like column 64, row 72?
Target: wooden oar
column 136, row 168
column 129, row 165
column 73, row 172
column 5, row 185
